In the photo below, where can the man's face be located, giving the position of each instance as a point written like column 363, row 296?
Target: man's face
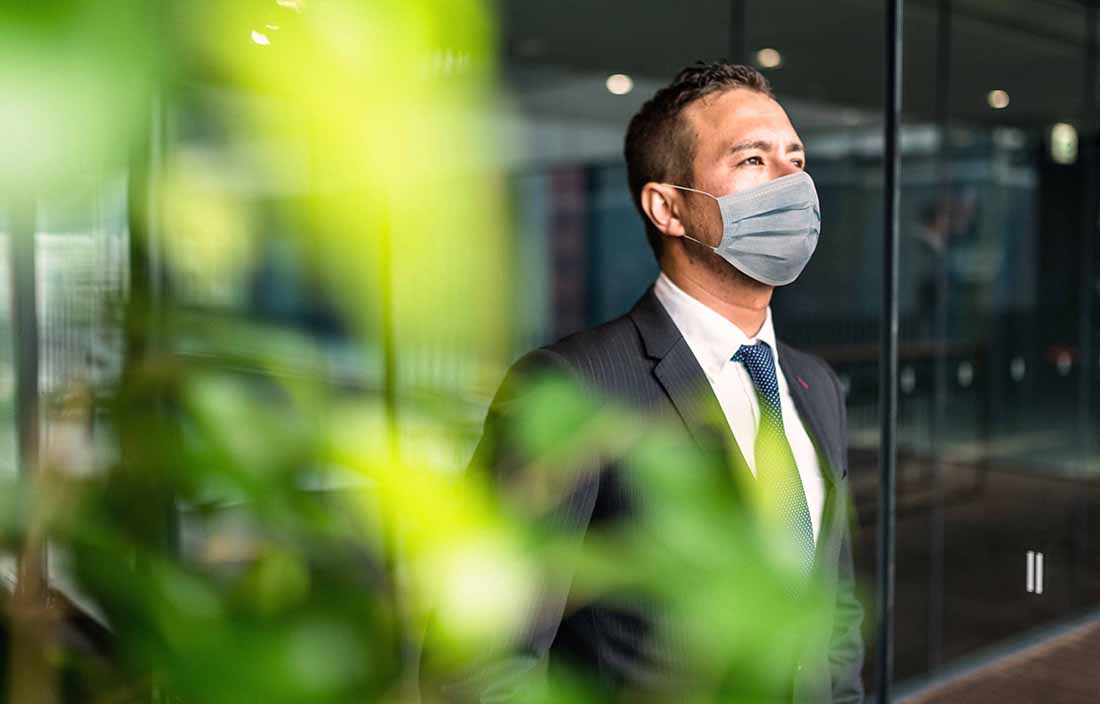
column 742, row 139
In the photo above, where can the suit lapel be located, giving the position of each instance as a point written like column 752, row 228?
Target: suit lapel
column 812, row 408
column 809, row 407
column 687, row 387
column 684, row 381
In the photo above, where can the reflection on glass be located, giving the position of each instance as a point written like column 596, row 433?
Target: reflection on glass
column 994, row 486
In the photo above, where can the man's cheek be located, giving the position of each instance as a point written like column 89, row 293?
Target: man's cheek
column 713, row 226
column 750, row 178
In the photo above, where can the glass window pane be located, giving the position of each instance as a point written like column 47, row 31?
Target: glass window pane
column 994, row 490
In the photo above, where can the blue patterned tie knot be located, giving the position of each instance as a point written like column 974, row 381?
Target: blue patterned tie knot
column 776, row 470
column 758, row 361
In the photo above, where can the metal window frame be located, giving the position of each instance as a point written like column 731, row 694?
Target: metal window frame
column 888, row 351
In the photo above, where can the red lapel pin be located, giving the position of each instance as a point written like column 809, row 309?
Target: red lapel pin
column 804, row 384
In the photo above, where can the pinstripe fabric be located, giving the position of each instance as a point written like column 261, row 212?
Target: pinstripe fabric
column 641, row 360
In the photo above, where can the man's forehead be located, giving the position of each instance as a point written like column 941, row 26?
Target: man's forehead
column 742, row 115
column 739, row 101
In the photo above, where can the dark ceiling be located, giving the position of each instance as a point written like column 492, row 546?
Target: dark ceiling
column 832, row 51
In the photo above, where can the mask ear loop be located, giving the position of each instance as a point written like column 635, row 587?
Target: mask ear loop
column 695, row 190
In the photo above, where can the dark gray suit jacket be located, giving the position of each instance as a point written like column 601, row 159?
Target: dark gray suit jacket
column 642, row 360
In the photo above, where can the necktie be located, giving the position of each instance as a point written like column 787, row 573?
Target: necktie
column 776, row 471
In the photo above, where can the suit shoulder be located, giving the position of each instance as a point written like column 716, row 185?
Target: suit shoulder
column 617, row 335
column 584, row 357
column 595, row 354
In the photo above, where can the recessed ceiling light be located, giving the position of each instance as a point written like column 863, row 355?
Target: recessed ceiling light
column 620, row 83
column 998, row 99
column 769, row 58
column 1063, row 143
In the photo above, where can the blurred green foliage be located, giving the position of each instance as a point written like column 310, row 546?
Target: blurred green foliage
column 265, row 534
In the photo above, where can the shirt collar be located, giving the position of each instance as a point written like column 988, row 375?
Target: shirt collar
column 712, row 338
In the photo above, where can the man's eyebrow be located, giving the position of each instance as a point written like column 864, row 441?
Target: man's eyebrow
column 742, row 146
column 763, row 145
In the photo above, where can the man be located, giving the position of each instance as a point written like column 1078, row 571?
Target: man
column 717, row 173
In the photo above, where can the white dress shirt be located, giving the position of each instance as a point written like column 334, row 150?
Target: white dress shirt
column 714, row 340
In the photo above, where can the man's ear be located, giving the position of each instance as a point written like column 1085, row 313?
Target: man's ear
column 663, row 205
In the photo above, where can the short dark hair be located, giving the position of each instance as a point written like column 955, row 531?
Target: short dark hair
column 660, row 145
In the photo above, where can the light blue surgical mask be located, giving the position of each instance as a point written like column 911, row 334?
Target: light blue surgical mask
column 769, row 231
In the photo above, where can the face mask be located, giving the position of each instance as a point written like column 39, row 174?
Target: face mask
column 769, row 231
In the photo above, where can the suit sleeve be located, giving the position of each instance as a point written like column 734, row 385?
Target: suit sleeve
column 503, row 676
column 846, row 642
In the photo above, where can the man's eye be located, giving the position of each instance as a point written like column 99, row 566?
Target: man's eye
column 754, row 160
column 799, row 163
